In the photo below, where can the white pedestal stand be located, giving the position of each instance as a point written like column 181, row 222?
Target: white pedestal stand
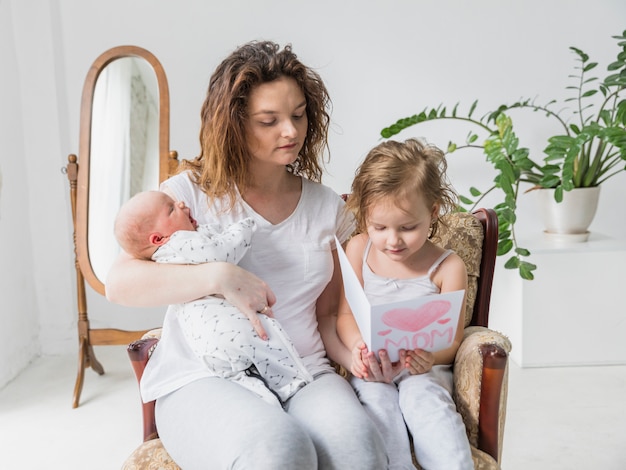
column 574, row 311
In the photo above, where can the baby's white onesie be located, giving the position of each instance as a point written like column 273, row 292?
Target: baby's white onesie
column 219, row 333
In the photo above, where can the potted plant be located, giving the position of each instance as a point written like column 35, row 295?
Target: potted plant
column 590, row 149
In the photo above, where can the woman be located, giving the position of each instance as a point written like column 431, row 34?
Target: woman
column 264, row 129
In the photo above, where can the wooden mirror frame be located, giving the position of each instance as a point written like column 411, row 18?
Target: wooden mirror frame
column 79, row 197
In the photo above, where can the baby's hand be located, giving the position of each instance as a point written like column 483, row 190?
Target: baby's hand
column 419, row 361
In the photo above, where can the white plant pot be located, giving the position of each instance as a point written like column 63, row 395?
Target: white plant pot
column 568, row 220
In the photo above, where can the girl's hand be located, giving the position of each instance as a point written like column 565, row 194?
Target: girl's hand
column 358, row 368
column 248, row 293
column 419, row 361
column 385, row 370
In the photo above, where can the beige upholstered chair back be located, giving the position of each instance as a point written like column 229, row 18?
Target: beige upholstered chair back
column 463, row 233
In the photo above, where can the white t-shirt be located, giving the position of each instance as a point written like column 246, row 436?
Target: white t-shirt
column 293, row 257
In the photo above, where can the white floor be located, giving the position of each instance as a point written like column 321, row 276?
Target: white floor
column 558, row 418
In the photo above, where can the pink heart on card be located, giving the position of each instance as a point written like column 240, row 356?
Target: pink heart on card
column 408, row 319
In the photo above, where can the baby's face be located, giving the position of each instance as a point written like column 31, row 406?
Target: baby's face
column 171, row 216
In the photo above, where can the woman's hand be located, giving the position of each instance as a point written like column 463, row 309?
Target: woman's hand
column 419, row 361
column 248, row 293
column 385, row 370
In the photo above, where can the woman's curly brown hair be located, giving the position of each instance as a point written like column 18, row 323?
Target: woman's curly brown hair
column 222, row 166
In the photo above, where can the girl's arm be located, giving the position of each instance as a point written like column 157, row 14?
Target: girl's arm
column 451, row 276
column 347, row 327
column 141, row 283
column 350, row 336
column 363, row 363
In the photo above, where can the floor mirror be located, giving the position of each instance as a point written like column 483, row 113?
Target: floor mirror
column 123, row 149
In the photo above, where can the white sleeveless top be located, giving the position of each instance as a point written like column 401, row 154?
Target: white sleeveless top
column 380, row 290
column 293, row 257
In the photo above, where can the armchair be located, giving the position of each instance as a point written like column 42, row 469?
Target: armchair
column 480, row 367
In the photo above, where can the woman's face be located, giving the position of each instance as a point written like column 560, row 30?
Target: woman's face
column 277, row 121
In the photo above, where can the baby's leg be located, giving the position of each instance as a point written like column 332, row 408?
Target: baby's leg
column 225, row 339
column 277, row 360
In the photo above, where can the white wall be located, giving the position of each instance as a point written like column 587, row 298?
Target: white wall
column 381, row 61
column 19, row 325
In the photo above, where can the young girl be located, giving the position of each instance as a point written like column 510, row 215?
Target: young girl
column 398, row 195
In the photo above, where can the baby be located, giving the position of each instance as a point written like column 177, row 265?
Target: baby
column 151, row 225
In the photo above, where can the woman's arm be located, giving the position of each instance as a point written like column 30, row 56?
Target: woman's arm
column 326, row 310
column 141, row 283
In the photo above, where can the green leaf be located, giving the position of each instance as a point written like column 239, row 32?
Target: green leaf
column 472, row 108
column 526, row 270
column 522, row 251
column 589, row 66
column 504, row 246
column 615, row 66
column 474, row 191
column 526, row 274
column 503, row 234
column 512, row 263
column 550, row 181
column 507, row 215
column 550, row 169
column 465, row 200
column 558, row 193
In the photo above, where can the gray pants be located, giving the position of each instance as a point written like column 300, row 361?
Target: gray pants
column 214, row 423
column 423, row 403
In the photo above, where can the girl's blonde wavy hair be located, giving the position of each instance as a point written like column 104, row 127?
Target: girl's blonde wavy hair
column 399, row 169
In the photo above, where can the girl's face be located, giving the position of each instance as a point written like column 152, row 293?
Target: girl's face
column 277, row 122
column 399, row 228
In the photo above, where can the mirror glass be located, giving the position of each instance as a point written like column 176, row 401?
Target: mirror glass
column 124, row 150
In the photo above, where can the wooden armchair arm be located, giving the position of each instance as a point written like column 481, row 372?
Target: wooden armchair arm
column 489, row 416
column 480, row 386
column 139, row 352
